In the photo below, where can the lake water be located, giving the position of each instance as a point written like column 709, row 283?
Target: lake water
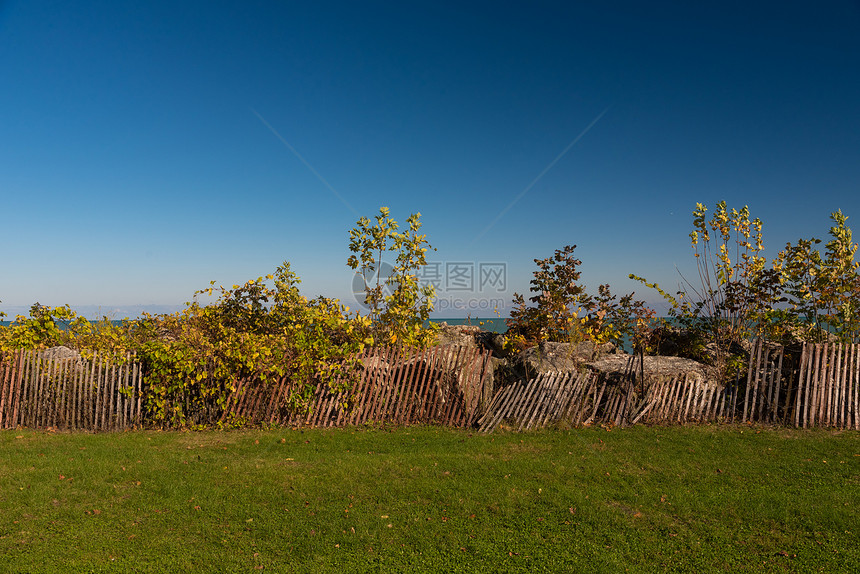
column 496, row 324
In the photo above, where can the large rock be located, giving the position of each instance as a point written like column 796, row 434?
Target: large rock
column 549, row 357
column 472, row 336
column 463, row 335
column 61, row 352
column 374, row 362
column 655, row 368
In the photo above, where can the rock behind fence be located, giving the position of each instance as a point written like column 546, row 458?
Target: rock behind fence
column 816, row 386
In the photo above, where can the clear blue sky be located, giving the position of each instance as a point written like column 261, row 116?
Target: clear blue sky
column 149, row 147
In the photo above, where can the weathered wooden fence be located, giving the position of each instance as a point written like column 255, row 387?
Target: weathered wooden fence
column 817, row 386
column 828, row 391
column 591, row 398
column 38, row 390
column 445, row 385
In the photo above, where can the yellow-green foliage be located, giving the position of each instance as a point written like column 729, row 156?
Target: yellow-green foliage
column 196, row 357
column 47, row 327
column 823, row 291
column 804, row 293
column 397, row 318
column 252, row 333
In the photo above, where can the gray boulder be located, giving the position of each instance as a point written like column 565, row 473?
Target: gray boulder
column 655, row 369
column 61, row 352
column 463, row 335
column 549, row 357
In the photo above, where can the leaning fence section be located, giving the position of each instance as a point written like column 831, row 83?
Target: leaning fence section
column 41, row 391
column 579, row 399
column 815, row 385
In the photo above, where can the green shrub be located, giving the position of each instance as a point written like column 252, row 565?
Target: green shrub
column 196, row 358
column 564, row 312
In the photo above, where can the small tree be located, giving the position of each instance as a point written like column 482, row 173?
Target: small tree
column 564, row 312
column 735, row 295
column 823, row 292
column 400, row 316
column 558, row 301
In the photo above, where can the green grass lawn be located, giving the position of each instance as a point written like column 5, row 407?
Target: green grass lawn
column 425, row 499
